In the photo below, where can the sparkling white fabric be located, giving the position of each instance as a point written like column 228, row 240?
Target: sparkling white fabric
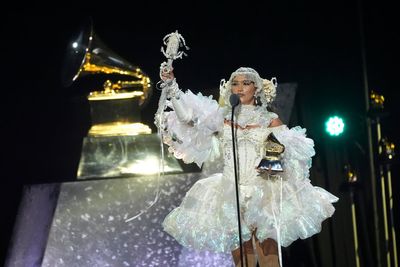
column 207, row 216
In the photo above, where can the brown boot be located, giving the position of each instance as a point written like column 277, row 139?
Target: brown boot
column 271, row 261
column 248, row 254
column 236, row 256
column 267, row 252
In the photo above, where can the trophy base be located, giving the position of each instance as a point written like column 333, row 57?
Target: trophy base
column 122, row 156
column 270, row 165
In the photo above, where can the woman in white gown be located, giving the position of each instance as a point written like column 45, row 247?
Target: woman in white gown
column 275, row 209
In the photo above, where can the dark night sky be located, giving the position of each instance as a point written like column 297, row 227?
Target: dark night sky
column 313, row 43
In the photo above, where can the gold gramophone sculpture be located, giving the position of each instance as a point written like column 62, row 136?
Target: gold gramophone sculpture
column 115, row 108
column 272, row 160
column 118, row 143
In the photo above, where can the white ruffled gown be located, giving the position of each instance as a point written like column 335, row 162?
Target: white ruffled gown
column 283, row 209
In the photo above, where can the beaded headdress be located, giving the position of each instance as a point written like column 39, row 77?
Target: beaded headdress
column 265, row 89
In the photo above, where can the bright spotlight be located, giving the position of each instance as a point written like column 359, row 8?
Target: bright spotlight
column 334, row 126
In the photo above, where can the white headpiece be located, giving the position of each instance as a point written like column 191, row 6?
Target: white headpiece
column 265, row 89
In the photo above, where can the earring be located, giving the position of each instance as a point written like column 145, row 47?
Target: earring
column 257, row 100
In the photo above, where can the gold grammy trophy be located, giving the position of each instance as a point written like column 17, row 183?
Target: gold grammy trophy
column 118, row 143
column 271, row 164
column 115, row 108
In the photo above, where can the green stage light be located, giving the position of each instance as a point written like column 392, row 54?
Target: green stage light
column 334, row 126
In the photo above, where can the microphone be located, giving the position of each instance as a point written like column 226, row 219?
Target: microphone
column 234, row 99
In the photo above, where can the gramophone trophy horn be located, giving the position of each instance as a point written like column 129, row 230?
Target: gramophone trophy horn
column 115, row 108
column 87, row 55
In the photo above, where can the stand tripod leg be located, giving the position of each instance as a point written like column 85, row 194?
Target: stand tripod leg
column 389, row 177
column 385, row 223
column 355, row 235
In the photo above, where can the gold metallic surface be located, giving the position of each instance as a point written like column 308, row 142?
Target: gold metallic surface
column 119, row 129
column 110, row 95
column 273, row 146
column 111, row 156
column 141, row 82
column 273, row 155
column 376, row 99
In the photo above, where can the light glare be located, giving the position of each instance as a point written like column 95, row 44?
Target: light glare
column 335, row 126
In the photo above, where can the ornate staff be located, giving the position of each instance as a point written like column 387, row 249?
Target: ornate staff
column 173, row 41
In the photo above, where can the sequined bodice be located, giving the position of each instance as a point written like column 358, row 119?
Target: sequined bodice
column 249, row 146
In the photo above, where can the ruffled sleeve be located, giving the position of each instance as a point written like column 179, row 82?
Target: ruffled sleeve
column 299, row 150
column 195, row 141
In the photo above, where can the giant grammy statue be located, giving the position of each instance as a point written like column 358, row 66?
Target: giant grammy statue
column 118, row 143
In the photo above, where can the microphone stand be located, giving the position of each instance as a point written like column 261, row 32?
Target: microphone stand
column 236, row 184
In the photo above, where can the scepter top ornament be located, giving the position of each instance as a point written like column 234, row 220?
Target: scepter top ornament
column 173, row 42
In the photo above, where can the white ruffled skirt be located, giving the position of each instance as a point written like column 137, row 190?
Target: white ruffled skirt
column 207, row 216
